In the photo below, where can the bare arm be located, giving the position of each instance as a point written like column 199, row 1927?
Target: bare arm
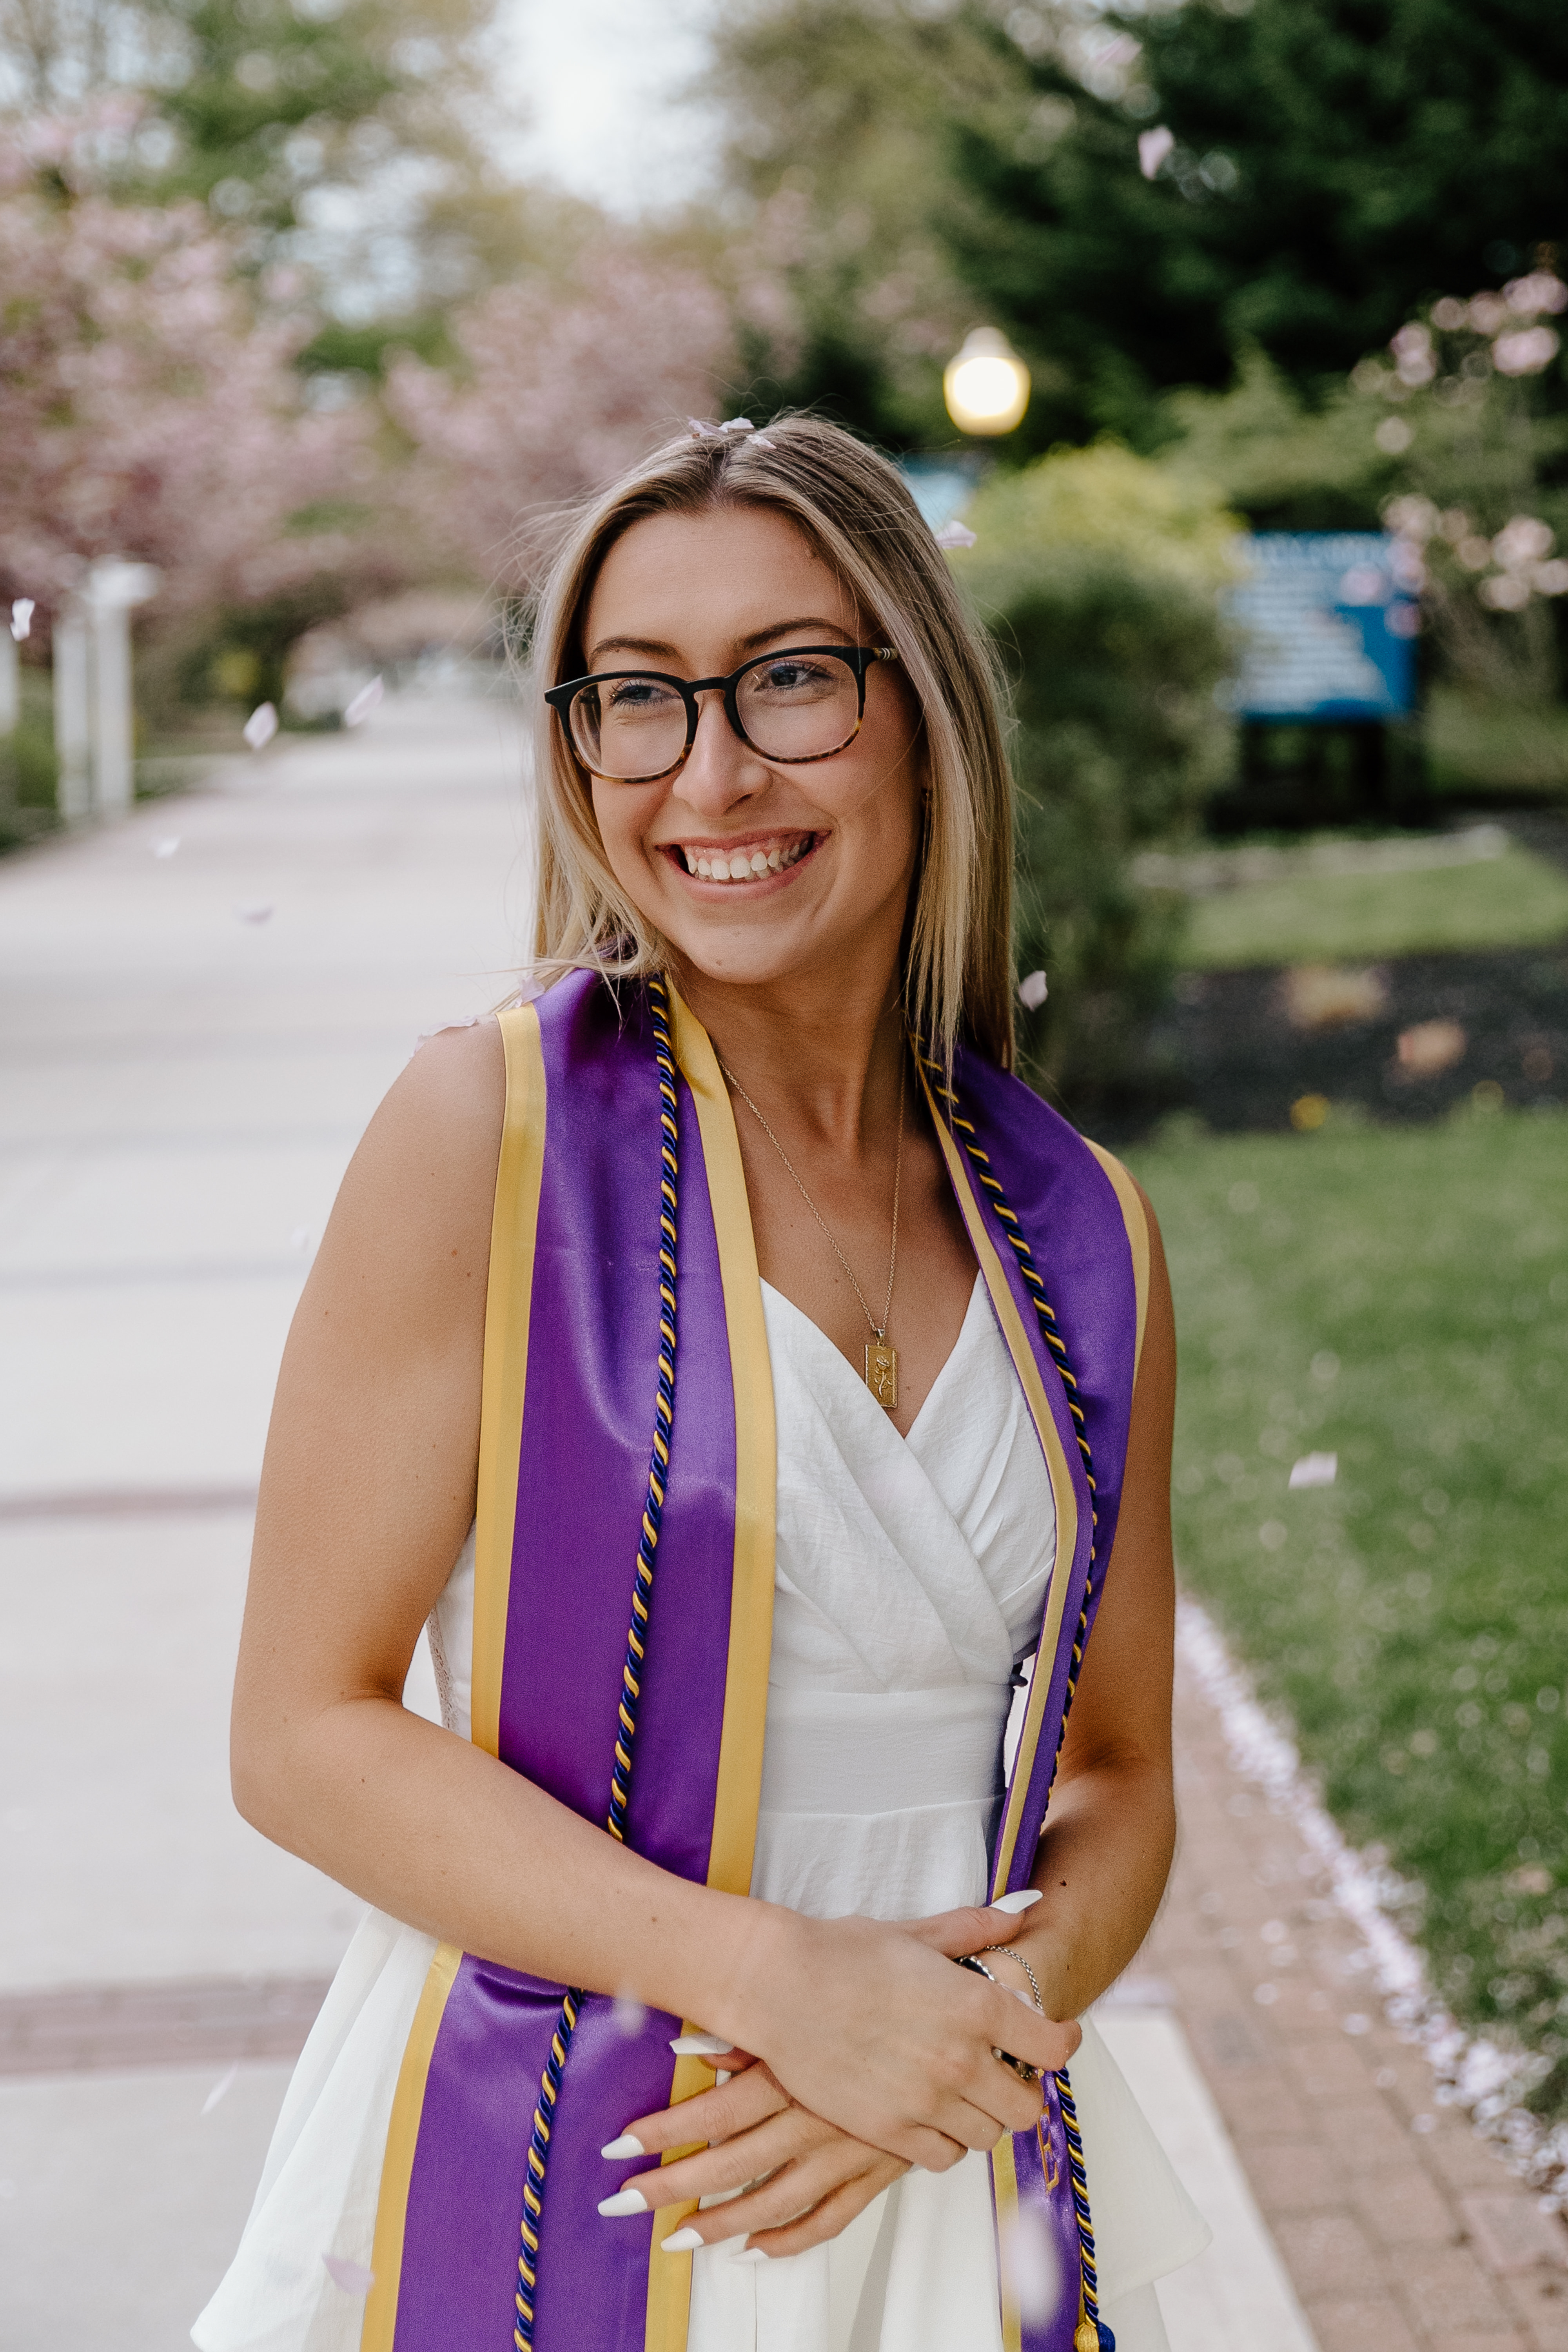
column 367, row 1493
column 1112, row 1830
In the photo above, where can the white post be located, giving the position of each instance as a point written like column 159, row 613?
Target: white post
column 73, row 737
column 10, row 681
column 112, row 588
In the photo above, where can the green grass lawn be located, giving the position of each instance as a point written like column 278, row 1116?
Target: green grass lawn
column 1400, row 1297
column 1514, row 900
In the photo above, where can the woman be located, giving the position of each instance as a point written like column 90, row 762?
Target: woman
column 780, row 1375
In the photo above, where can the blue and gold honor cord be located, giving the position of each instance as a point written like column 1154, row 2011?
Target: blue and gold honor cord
column 637, row 1641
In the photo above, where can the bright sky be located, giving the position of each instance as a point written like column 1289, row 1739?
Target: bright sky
column 602, row 81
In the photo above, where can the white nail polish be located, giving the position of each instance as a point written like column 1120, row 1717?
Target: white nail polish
column 749, row 2254
column 628, row 2144
column 624, row 2200
column 701, row 2045
column 1024, row 1900
column 684, row 2241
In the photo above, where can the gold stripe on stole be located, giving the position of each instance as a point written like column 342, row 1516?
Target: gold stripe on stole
column 1135, row 1218
column 1004, row 2180
column 397, row 2165
column 1062, row 1490
column 513, row 1228
column 751, row 1593
column 1004, row 2170
column 514, row 1223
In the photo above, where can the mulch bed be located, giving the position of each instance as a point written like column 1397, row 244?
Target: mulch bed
column 1226, row 1049
column 1239, row 1062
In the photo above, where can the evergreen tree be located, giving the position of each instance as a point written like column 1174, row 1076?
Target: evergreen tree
column 1331, row 164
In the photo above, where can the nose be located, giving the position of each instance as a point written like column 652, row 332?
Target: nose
column 720, row 770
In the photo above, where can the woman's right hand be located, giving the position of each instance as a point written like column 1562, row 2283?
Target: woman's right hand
column 868, row 2025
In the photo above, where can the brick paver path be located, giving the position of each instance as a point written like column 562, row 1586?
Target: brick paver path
column 1400, row 2227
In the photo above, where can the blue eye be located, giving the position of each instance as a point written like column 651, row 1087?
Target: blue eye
column 793, row 676
column 639, row 694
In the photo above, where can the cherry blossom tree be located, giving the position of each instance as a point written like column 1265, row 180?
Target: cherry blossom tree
column 149, row 408
column 554, row 393
column 1476, row 450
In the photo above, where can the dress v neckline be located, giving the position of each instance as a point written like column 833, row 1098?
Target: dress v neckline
column 848, row 1372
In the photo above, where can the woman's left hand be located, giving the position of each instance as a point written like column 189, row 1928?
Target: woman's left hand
column 811, row 2177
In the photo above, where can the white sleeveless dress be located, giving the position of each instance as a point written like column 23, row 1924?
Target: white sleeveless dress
column 909, row 1583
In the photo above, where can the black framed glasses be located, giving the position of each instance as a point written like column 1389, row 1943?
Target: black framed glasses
column 635, row 726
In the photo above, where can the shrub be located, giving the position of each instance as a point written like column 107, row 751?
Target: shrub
column 1097, row 574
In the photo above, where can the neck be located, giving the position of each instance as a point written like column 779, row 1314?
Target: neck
column 822, row 1058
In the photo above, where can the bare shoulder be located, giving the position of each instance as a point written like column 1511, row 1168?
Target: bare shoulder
column 1156, row 1239
column 409, row 1236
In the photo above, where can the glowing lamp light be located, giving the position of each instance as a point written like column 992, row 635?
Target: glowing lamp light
column 986, row 385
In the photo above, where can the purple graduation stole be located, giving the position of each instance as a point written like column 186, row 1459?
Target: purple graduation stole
column 623, row 1620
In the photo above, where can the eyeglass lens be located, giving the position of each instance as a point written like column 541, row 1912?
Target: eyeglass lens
column 798, row 706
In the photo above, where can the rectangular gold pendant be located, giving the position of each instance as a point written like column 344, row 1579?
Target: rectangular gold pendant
column 882, row 1372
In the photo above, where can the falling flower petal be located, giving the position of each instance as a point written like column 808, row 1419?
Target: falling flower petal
column 1033, row 991
column 1153, row 146
column 22, row 611
column 954, row 534
column 261, row 912
column 629, row 2015
column 1030, row 2267
column 364, row 703
column 1327, row 996
column 353, row 2277
column 261, row 726
column 221, row 2088
column 168, row 847
column 1429, row 1047
column 1315, row 1470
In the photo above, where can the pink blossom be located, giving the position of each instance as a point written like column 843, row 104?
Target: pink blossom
column 145, row 410
column 1526, row 352
column 555, row 396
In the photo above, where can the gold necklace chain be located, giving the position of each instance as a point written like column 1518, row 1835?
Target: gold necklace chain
column 882, row 1363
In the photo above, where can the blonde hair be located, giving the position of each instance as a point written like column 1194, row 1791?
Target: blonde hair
column 856, row 510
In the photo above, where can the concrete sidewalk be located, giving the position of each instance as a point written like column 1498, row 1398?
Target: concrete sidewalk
column 199, row 1010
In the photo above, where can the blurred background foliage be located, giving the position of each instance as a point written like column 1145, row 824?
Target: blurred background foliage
column 1097, row 572
column 281, row 320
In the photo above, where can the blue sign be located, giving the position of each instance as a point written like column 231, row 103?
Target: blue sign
column 941, row 492
column 1327, row 622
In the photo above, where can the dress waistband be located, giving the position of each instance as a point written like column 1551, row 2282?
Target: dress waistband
column 882, row 1751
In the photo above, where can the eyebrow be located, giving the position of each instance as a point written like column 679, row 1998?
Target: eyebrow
column 657, row 647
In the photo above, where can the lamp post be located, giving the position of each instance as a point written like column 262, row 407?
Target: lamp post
column 985, row 384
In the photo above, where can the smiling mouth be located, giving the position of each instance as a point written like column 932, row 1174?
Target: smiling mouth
column 741, row 862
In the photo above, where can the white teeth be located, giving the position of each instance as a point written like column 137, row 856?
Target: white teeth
column 743, row 865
